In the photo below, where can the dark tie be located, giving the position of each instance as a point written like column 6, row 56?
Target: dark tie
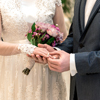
column 82, row 14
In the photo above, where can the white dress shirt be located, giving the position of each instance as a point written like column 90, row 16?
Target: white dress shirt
column 88, row 9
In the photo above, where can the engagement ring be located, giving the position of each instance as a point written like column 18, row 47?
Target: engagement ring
column 48, row 54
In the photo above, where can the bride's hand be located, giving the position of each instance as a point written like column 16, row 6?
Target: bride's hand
column 40, row 55
column 39, row 59
column 41, row 51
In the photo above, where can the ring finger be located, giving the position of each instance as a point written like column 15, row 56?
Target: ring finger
column 39, row 58
column 34, row 57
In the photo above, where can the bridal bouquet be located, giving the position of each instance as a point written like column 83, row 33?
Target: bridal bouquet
column 43, row 33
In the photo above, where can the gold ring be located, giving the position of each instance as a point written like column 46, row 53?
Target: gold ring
column 48, row 54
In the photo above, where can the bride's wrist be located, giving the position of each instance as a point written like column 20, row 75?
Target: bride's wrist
column 26, row 48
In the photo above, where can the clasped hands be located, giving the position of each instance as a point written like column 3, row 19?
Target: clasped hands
column 58, row 61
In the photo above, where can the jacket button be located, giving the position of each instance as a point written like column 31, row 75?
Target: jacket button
column 81, row 45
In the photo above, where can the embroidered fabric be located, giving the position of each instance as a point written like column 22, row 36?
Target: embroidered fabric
column 26, row 48
column 41, row 83
column 58, row 2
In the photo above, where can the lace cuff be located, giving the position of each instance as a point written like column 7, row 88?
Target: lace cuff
column 58, row 2
column 26, row 48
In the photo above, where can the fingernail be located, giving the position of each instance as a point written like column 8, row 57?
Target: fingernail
column 32, row 55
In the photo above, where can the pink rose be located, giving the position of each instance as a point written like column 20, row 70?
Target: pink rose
column 52, row 32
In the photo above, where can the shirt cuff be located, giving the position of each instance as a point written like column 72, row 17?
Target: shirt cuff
column 73, row 70
column 56, row 48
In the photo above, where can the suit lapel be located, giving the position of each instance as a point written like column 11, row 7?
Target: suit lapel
column 91, row 17
column 82, row 14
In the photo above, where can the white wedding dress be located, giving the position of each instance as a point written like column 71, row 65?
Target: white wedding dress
column 41, row 83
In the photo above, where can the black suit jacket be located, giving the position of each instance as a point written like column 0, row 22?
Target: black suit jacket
column 85, row 43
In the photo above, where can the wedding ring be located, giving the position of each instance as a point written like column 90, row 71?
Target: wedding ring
column 48, row 54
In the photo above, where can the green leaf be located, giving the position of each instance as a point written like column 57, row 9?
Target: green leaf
column 33, row 27
column 50, row 40
column 33, row 41
column 29, row 36
column 40, row 39
column 42, row 36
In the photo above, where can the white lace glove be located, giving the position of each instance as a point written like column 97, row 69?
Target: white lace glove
column 26, row 48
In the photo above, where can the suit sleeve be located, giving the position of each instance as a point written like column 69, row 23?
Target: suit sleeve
column 67, row 45
column 88, row 62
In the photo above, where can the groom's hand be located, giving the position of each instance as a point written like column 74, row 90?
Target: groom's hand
column 48, row 47
column 59, row 65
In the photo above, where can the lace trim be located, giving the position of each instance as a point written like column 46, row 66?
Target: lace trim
column 26, row 48
column 58, row 2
